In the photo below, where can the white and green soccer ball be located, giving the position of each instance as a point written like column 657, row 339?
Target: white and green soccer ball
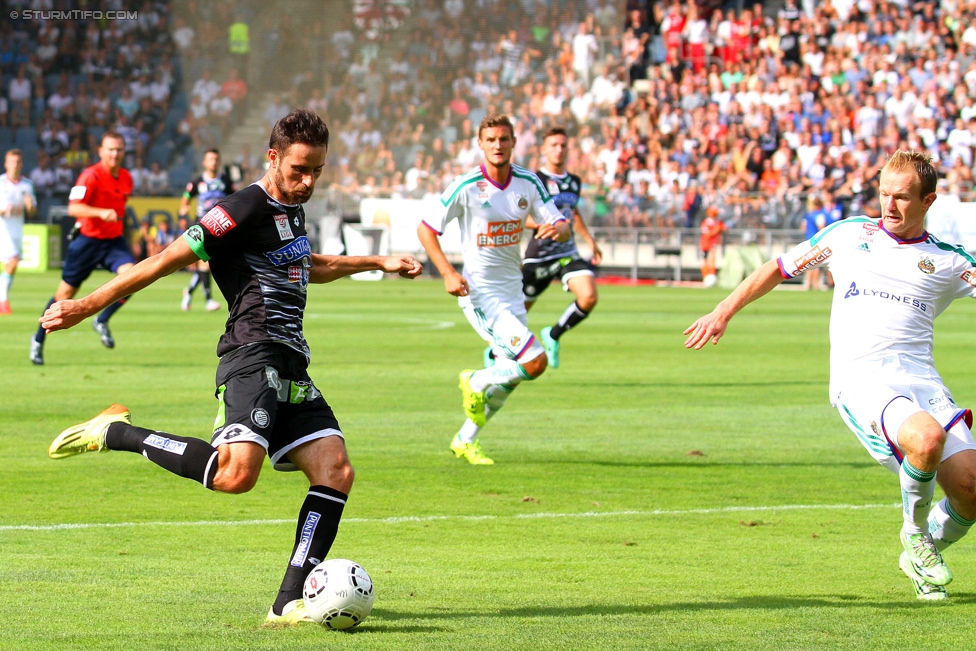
column 338, row 594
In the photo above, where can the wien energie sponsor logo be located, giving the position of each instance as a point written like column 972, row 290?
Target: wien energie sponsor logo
column 969, row 276
column 501, row 234
column 812, row 259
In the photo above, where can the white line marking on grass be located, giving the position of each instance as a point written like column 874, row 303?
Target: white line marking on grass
column 436, row 518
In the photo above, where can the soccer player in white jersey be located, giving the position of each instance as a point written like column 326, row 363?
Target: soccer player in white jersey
column 891, row 280
column 491, row 204
column 17, row 201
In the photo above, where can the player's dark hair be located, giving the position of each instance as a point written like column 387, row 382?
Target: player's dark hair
column 918, row 162
column 212, row 150
column 553, row 131
column 114, row 135
column 299, row 126
column 14, row 152
column 495, row 120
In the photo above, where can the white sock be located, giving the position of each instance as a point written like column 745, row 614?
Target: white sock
column 505, row 371
column 495, row 397
column 468, row 432
column 947, row 526
column 5, row 281
column 917, row 489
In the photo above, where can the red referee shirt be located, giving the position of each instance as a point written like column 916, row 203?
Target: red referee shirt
column 96, row 187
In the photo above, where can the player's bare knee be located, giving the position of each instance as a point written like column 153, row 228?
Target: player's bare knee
column 341, row 474
column 234, row 480
column 587, row 301
column 536, row 367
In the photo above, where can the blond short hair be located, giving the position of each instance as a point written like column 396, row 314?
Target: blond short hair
column 918, row 162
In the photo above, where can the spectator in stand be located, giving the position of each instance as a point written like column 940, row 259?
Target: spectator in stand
column 140, row 175
column 157, row 181
column 42, row 176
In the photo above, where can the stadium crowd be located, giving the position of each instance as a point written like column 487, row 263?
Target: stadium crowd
column 65, row 81
column 672, row 107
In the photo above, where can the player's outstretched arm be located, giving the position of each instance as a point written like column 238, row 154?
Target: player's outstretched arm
column 326, row 268
column 712, row 326
column 65, row 314
column 454, row 283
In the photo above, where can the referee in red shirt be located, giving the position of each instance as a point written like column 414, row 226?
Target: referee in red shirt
column 97, row 202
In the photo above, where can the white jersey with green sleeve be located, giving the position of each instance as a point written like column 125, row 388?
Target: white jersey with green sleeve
column 887, row 293
column 492, row 219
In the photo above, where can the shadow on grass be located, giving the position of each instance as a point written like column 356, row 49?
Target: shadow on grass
column 743, row 603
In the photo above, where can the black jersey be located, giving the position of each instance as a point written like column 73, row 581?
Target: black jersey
column 565, row 192
column 208, row 191
column 260, row 258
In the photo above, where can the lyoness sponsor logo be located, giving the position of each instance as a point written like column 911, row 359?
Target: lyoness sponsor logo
column 811, row 259
column 855, row 292
column 287, row 254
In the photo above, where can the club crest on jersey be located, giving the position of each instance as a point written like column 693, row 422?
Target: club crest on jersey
column 522, row 202
column 290, row 253
column 218, row 221
column 284, row 230
column 501, row 234
column 926, row 266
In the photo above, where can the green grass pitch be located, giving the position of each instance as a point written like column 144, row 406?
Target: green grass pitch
column 644, row 496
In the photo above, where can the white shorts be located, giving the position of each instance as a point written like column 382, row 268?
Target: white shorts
column 504, row 325
column 11, row 238
column 875, row 412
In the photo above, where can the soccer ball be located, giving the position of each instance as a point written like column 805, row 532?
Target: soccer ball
column 338, row 594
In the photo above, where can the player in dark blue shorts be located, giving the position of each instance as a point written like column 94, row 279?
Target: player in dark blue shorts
column 262, row 262
column 97, row 202
column 209, row 187
column 546, row 260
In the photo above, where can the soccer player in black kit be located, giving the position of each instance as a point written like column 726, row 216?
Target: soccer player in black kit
column 261, row 260
column 546, row 260
column 209, row 187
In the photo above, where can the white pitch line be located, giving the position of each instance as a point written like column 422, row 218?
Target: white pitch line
column 436, row 518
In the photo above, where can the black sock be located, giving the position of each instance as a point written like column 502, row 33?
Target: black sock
column 110, row 310
column 205, row 277
column 194, row 281
column 573, row 315
column 40, row 334
column 318, row 523
column 185, row 456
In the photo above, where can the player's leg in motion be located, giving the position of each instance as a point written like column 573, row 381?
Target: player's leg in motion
column 922, row 440
column 330, row 475
column 485, row 392
column 64, row 292
column 584, row 288
column 201, row 278
column 116, row 261
column 6, row 280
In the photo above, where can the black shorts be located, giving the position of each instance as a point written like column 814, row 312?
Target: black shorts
column 266, row 397
column 537, row 276
column 86, row 254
